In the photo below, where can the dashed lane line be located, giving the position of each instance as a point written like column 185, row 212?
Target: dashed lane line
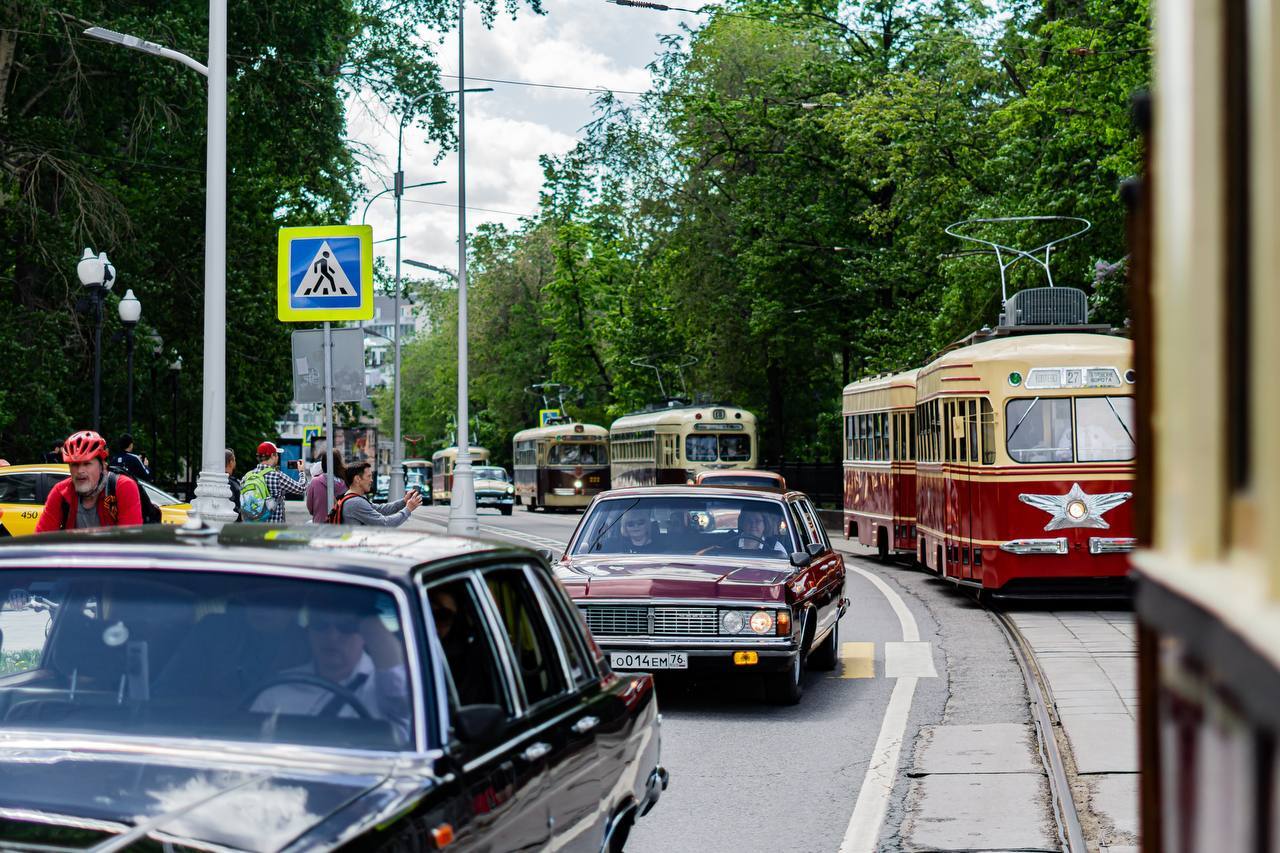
column 863, row 833
column 858, row 660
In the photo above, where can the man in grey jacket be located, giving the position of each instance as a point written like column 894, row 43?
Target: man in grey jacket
column 354, row 507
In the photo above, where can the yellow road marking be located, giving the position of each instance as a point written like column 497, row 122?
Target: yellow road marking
column 858, row 660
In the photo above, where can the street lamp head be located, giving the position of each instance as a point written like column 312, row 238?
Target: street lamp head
column 108, row 271
column 157, row 342
column 90, row 269
column 176, row 364
column 130, row 309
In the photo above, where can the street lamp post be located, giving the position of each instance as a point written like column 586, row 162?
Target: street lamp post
column 130, row 312
column 97, row 275
column 462, row 505
column 175, row 369
column 213, row 494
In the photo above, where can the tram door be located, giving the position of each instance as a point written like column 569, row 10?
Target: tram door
column 970, row 557
column 960, row 521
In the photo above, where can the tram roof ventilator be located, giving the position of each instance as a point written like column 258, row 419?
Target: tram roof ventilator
column 1033, row 309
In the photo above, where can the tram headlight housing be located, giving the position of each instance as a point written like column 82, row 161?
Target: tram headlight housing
column 577, row 484
column 1077, row 510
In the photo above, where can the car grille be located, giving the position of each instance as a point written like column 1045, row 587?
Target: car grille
column 620, row 621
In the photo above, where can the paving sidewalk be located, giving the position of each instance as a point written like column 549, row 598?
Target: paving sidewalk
column 1089, row 659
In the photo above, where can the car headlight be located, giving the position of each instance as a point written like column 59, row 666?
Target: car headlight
column 577, row 484
column 511, row 490
column 758, row 622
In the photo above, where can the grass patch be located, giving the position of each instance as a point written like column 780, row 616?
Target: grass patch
column 19, row 661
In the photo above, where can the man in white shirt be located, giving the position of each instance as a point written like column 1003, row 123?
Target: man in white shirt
column 352, row 648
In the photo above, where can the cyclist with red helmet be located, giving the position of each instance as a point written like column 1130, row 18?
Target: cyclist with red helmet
column 91, row 496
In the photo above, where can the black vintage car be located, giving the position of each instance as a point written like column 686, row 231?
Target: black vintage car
column 265, row 688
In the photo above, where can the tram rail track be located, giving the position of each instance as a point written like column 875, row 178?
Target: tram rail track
column 1044, row 713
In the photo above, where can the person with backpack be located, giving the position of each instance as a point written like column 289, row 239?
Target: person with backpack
column 127, row 462
column 318, row 489
column 263, row 490
column 354, row 507
column 92, row 496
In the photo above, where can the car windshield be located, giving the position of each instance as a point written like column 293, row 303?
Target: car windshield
column 203, row 655
column 160, row 497
column 577, row 454
column 686, row 526
column 491, row 474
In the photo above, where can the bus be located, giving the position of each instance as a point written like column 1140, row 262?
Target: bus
column 442, row 462
column 562, row 465
column 672, row 444
column 1025, row 468
column 880, row 463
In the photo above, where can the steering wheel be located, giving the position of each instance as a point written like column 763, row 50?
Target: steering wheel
column 763, row 545
column 348, row 697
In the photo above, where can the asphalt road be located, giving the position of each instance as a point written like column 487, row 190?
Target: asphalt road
column 745, row 775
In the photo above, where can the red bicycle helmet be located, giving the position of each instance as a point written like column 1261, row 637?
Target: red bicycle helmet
column 84, row 446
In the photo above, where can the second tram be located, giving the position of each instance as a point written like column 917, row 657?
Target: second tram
column 417, row 473
column 672, row 444
column 561, row 465
column 880, row 462
column 1026, row 463
column 442, row 464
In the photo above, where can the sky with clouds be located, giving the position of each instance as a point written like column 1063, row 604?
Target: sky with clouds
column 581, row 43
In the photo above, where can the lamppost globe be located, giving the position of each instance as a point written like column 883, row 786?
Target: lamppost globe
column 96, row 274
column 130, row 309
column 89, row 269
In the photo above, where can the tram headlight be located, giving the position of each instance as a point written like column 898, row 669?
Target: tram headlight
column 1076, row 510
column 577, row 484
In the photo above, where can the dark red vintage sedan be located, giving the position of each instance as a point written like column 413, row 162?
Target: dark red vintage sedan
column 699, row 577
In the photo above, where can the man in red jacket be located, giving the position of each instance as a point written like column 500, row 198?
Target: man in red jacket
column 91, row 496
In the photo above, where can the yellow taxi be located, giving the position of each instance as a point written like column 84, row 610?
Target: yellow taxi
column 24, row 488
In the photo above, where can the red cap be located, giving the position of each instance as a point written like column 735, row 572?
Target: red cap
column 267, row 448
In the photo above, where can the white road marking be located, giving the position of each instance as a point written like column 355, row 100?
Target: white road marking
column 909, row 660
column 520, row 536
column 863, row 833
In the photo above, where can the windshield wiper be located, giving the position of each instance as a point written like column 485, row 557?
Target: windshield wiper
column 609, row 526
column 1009, row 439
column 1123, row 425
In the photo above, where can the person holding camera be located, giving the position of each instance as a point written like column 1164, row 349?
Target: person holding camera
column 354, row 507
column 264, row 489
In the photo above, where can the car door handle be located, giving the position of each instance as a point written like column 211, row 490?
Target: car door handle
column 536, row 751
column 585, row 725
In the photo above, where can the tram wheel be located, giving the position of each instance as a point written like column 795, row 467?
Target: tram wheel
column 882, row 545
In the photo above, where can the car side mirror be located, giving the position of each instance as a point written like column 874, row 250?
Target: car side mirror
column 480, row 723
column 800, row 558
column 813, row 549
column 546, row 554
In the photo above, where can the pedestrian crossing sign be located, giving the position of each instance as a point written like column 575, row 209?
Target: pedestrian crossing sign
column 325, row 273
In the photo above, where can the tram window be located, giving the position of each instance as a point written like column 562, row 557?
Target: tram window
column 700, row 448
column 911, row 435
column 1038, row 429
column 1104, row 429
column 988, row 433
column 949, row 442
column 576, row 454
column 973, row 430
column 735, row 448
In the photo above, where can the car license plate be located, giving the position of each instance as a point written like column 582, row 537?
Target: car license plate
column 649, row 660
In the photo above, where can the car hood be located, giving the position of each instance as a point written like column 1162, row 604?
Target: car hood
column 494, row 485
column 91, row 796
column 666, row 576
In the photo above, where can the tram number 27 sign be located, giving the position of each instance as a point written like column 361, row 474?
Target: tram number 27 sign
column 325, row 273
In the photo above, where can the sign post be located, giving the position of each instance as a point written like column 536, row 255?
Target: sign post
column 325, row 274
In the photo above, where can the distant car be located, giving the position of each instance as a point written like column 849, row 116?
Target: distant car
column 494, row 488
column 274, row 688
column 742, row 477
column 25, row 488
column 697, row 577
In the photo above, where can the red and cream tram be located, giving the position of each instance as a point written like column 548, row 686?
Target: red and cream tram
column 560, row 465
column 673, row 444
column 880, row 462
column 1026, row 462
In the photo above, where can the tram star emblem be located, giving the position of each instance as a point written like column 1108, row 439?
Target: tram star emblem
column 1075, row 508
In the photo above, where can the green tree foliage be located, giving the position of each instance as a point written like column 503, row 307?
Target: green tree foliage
column 774, row 208
column 104, row 147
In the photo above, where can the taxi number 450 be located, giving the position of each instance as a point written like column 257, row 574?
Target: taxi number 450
column 649, row 660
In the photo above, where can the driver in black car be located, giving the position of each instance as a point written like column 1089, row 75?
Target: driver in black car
column 351, row 649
